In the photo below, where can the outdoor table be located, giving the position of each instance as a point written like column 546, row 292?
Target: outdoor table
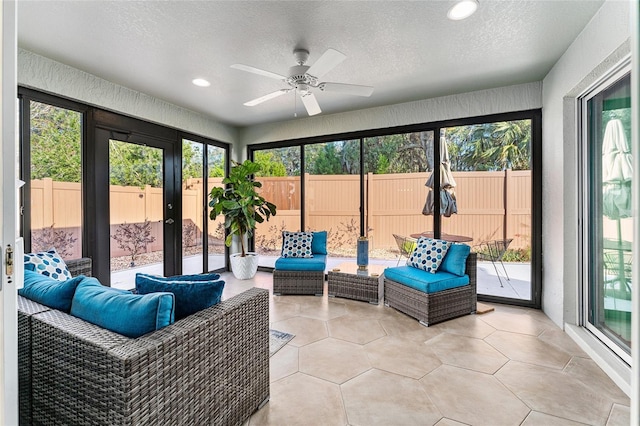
column 349, row 281
column 445, row 237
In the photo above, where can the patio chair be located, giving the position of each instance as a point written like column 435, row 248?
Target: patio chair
column 494, row 251
column 405, row 245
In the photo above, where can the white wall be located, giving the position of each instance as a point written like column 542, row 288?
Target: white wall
column 504, row 99
column 38, row 72
column 602, row 44
column 8, row 212
column 586, row 59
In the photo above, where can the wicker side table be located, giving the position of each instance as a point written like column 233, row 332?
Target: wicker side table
column 348, row 282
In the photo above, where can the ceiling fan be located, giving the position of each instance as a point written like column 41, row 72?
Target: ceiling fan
column 304, row 79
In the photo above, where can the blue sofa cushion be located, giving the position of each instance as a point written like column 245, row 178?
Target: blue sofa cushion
column 191, row 296
column 297, row 244
column 319, row 242
column 209, row 276
column 424, row 281
column 47, row 263
column 455, row 261
column 316, row 263
column 428, row 254
column 49, row 292
column 121, row 311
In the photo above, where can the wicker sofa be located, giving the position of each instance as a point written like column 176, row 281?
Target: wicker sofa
column 211, row 367
column 431, row 308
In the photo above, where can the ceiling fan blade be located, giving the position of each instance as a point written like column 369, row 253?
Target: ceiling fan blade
column 349, row 89
column 326, row 62
column 258, row 71
column 265, row 98
column 311, row 104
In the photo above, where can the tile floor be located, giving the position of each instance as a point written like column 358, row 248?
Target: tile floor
column 352, row 363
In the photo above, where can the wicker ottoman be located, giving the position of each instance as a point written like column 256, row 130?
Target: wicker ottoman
column 348, row 282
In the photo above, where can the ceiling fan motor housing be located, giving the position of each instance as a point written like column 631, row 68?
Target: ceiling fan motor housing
column 299, row 79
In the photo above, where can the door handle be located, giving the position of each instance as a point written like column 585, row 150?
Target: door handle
column 169, row 221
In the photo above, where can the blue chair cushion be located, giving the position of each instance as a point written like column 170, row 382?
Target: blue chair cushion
column 48, row 291
column 319, row 242
column 425, row 281
column 191, row 296
column 455, row 261
column 48, row 263
column 316, row 263
column 121, row 311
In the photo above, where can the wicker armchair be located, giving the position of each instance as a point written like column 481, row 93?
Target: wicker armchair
column 431, row 308
column 209, row 368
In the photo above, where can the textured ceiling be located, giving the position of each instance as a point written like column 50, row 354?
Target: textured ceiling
column 407, row 50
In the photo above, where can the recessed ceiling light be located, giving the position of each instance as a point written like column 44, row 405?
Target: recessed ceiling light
column 201, row 82
column 462, row 10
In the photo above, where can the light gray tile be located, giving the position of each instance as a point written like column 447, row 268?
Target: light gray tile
column 401, row 356
column 355, row 329
column 306, row 330
column 555, row 392
column 530, row 349
column 467, row 396
column 536, row 418
column 466, row 352
column 302, row 400
column 380, row 398
column 620, row 415
column 334, row 360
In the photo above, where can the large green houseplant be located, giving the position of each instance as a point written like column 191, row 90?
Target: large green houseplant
column 243, row 208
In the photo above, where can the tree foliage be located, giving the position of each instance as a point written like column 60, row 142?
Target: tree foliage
column 56, row 135
column 481, row 147
column 134, row 165
column 269, row 166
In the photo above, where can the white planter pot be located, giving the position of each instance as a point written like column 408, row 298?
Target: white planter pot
column 244, row 268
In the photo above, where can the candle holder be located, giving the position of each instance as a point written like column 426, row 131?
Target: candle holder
column 363, row 253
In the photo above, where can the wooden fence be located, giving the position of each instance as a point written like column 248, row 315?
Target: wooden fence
column 491, row 205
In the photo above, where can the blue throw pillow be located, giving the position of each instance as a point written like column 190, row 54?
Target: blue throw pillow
column 131, row 315
column 49, row 292
column 47, row 263
column 297, row 244
column 209, row 276
column 191, row 296
column 428, row 254
column 319, row 242
column 455, row 262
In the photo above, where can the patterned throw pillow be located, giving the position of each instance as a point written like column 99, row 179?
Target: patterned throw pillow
column 428, row 254
column 47, row 263
column 297, row 244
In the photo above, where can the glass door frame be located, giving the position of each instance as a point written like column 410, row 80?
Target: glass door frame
column 585, row 180
column 534, row 115
column 206, row 143
column 136, row 132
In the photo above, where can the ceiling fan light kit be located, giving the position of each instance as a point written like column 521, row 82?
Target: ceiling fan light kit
column 304, row 79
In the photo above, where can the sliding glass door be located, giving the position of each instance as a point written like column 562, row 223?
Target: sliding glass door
column 487, row 201
column 385, row 186
column 281, row 185
column 607, row 216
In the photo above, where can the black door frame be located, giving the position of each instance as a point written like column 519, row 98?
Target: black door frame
column 113, row 126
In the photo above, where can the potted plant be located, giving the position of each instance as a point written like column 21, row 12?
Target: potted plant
column 243, row 208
